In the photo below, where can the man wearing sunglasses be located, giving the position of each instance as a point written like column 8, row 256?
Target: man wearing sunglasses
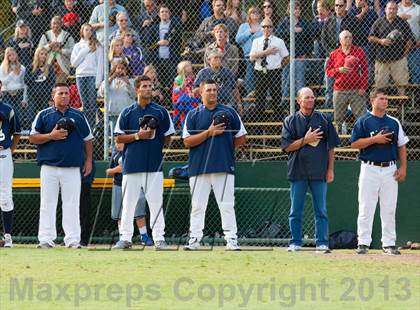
column 269, row 54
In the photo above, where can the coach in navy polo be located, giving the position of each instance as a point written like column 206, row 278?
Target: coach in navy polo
column 142, row 160
column 309, row 138
column 61, row 152
column 211, row 132
column 382, row 142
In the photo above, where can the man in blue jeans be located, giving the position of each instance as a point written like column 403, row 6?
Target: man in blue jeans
column 309, row 138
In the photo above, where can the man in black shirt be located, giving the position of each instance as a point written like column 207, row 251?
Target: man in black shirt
column 392, row 39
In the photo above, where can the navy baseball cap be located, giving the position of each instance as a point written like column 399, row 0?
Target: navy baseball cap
column 21, row 23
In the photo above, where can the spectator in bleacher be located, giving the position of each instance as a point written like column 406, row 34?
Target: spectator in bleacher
column 225, row 78
column 34, row 13
column 39, row 79
column 122, row 22
column 148, row 17
column 392, row 39
column 59, row 44
column 303, row 49
column 21, row 41
column 268, row 11
column 121, row 91
column 70, row 14
column 164, row 40
column 12, row 76
column 230, row 54
column 133, row 54
column 157, row 88
column 88, row 59
column 365, row 16
column 269, row 54
column 247, row 32
column 183, row 98
column 98, row 15
column 334, row 25
column 410, row 12
column 317, row 65
column 348, row 66
column 116, row 52
column 204, row 34
column 234, row 10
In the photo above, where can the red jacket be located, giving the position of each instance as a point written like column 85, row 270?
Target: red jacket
column 356, row 77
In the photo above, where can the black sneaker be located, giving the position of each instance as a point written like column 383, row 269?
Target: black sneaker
column 391, row 250
column 362, row 249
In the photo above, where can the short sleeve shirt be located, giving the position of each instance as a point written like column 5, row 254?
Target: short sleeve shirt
column 308, row 162
column 9, row 125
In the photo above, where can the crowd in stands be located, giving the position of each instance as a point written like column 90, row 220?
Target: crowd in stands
column 348, row 45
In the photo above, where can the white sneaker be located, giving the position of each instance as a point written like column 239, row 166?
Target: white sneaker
column 323, row 249
column 161, row 245
column 8, row 243
column 232, row 245
column 74, row 246
column 294, row 248
column 45, row 245
column 193, row 244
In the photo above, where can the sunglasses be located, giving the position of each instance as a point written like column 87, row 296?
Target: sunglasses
column 267, row 26
column 266, row 6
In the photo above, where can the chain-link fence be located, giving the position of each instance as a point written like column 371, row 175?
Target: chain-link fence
column 340, row 51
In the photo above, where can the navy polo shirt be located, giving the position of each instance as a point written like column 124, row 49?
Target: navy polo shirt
column 369, row 125
column 215, row 154
column 62, row 153
column 114, row 162
column 143, row 155
column 224, row 78
column 308, row 162
column 9, row 125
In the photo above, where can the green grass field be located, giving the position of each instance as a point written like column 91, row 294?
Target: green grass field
column 63, row 279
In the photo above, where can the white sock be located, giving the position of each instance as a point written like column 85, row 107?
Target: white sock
column 143, row 230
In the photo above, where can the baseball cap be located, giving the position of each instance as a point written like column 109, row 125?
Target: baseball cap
column 20, row 23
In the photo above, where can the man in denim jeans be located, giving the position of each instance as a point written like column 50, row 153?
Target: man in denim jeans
column 309, row 138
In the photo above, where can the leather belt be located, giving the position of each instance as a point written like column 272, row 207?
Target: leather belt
column 380, row 163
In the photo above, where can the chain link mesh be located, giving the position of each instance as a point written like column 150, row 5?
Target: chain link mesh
column 173, row 57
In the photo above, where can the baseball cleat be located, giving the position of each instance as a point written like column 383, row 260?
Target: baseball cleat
column 8, row 243
column 193, row 244
column 73, row 246
column 232, row 245
column 146, row 240
column 294, row 248
column 391, row 250
column 121, row 245
column 161, row 245
column 322, row 249
column 362, row 249
column 45, row 245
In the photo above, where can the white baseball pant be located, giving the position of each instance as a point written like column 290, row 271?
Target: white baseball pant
column 223, row 185
column 53, row 179
column 6, row 180
column 152, row 185
column 377, row 182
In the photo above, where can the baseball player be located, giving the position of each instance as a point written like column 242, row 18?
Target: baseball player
column 382, row 142
column 64, row 141
column 115, row 170
column 211, row 132
column 9, row 138
column 143, row 127
column 309, row 138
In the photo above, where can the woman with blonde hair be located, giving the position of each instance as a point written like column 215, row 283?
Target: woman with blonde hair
column 39, row 80
column 88, row 59
column 12, row 76
column 234, row 10
column 59, row 44
column 116, row 52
